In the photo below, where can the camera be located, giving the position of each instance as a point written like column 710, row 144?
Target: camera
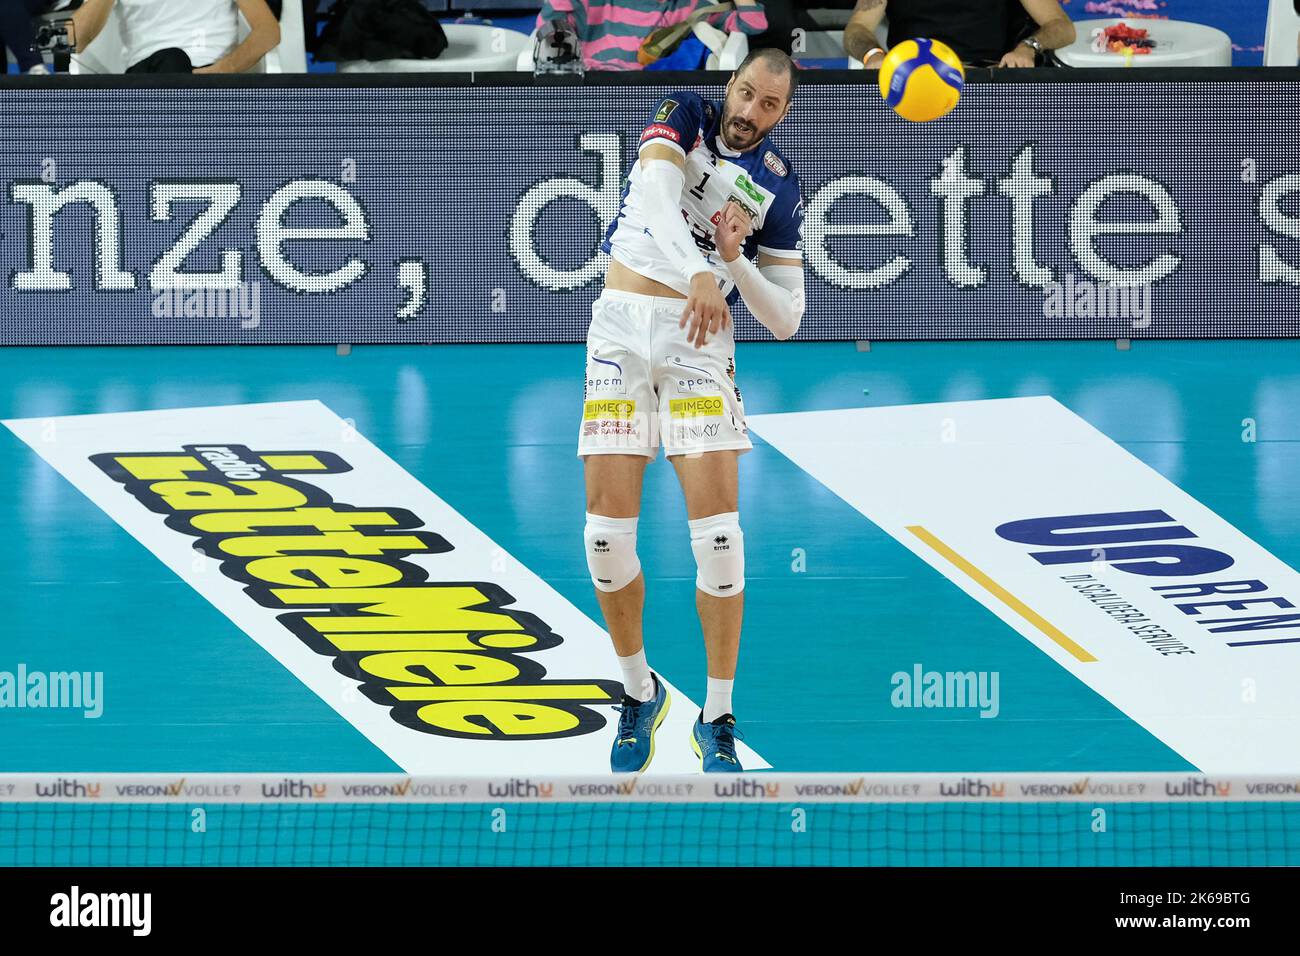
column 52, row 36
column 558, row 50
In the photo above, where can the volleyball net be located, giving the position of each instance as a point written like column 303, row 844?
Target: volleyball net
column 753, row 819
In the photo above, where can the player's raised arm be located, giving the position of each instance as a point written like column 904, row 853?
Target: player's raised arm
column 663, row 161
column 663, row 178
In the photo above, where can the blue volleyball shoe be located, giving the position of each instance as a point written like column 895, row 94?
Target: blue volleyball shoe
column 715, row 744
column 634, row 745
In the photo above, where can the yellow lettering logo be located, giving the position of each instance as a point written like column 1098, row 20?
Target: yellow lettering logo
column 604, row 409
column 707, row 406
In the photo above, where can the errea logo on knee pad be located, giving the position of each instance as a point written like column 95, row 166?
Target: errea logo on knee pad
column 719, row 548
column 611, row 551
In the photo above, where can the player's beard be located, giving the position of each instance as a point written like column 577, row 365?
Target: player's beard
column 739, row 139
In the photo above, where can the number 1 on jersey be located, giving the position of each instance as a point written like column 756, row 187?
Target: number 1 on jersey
column 698, row 191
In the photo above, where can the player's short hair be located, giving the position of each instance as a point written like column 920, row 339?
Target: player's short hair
column 776, row 60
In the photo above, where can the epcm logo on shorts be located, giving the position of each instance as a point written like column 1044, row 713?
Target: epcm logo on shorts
column 596, row 381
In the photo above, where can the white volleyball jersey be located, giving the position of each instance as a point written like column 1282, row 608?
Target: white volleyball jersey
column 760, row 179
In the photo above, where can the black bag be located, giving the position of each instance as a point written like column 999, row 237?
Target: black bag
column 381, row 30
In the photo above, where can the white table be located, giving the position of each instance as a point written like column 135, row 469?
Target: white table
column 469, row 50
column 1177, row 44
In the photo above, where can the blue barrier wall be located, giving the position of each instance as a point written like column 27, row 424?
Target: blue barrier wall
column 366, row 211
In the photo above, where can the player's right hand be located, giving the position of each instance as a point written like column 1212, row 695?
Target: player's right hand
column 706, row 309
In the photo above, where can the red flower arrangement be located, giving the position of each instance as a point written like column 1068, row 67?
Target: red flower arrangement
column 1122, row 38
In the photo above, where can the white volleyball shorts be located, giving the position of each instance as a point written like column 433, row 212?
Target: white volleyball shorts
column 646, row 384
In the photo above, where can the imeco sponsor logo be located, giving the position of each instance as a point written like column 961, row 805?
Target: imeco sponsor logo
column 597, row 409
column 611, row 418
column 705, row 406
column 443, row 657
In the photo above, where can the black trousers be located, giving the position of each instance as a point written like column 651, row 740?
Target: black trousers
column 168, row 60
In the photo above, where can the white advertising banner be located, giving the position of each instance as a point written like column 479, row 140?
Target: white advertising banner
column 1146, row 595
column 424, row 634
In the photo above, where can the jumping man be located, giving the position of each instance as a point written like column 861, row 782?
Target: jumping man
column 707, row 191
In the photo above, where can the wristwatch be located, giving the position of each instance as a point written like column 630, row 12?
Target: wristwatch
column 1033, row 43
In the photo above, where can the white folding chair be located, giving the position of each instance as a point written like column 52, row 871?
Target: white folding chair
column 104, row 54
column 726, row 50
column 291, row 54
column 1282, row 34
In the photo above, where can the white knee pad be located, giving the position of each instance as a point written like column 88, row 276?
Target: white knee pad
column 611, row 551
column 719, row 550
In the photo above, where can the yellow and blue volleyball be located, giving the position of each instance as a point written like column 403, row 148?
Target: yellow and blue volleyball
column 921, row 79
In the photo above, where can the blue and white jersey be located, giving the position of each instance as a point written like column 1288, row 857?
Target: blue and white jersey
column 761, row 180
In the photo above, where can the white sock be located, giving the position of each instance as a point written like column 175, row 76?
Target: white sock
column 637, row 682
column 718, row 701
